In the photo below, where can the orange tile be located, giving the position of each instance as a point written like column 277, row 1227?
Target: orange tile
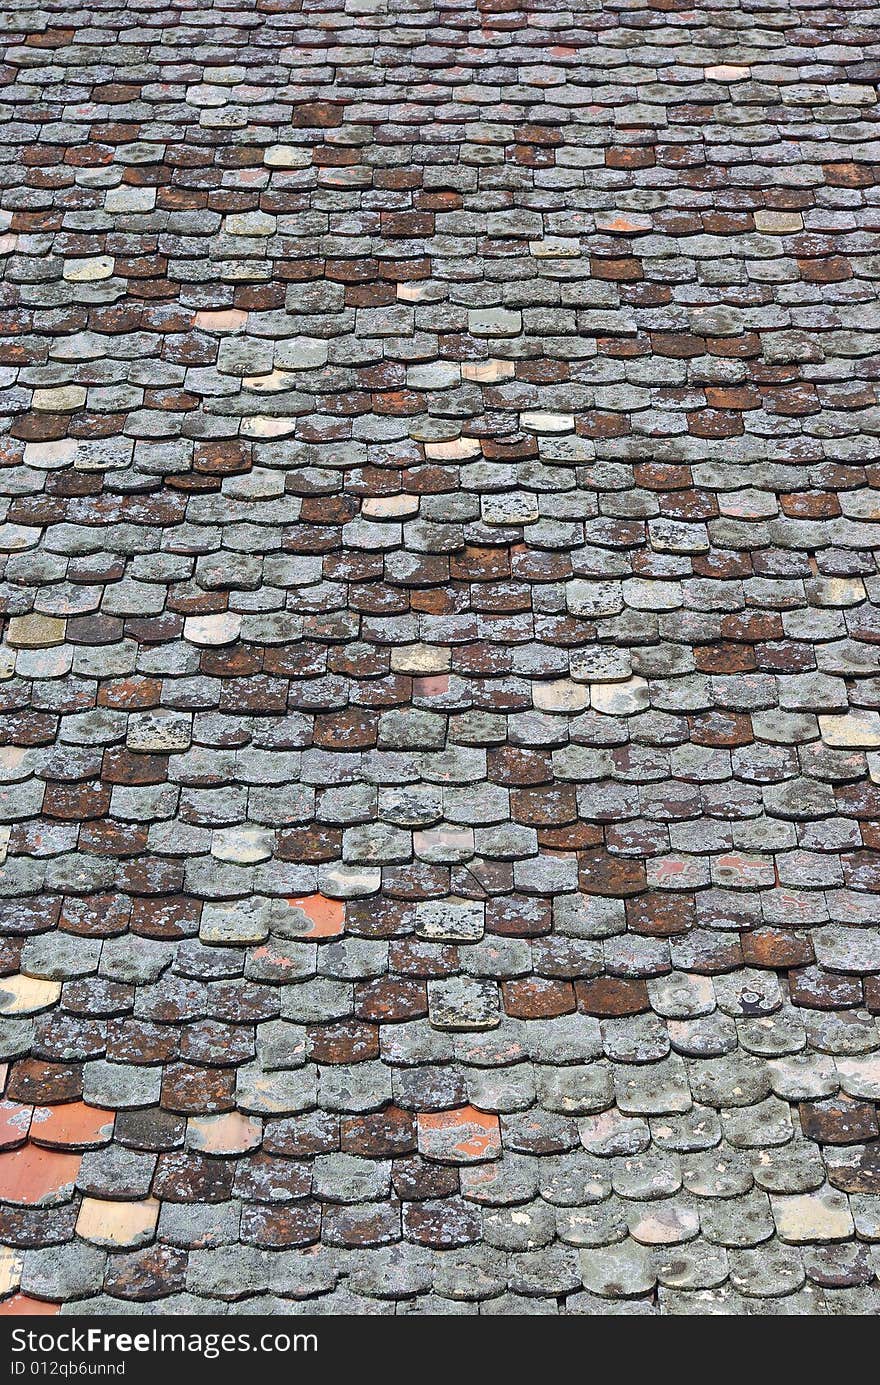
column 23, row 1305
column 34, row 1177
column 463, row 1136
column 622, row 225
column 14, row 1123
column 322, row 917
column 72, row 1126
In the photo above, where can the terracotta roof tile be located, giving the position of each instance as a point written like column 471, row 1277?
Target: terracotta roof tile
column 438, row 663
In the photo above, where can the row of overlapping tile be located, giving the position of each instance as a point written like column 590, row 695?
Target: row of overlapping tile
column 440, row 692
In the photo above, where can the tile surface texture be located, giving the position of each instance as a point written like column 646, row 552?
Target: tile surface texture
column 440, row 766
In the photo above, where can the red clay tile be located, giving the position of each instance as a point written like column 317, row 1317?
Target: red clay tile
column 72, row 1126
column 21, row 1305
column 464, row 1136
column 322, row 917
column 34, row 1177
column 15, row 1122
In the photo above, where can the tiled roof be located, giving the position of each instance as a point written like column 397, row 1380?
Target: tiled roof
column 440, row 685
